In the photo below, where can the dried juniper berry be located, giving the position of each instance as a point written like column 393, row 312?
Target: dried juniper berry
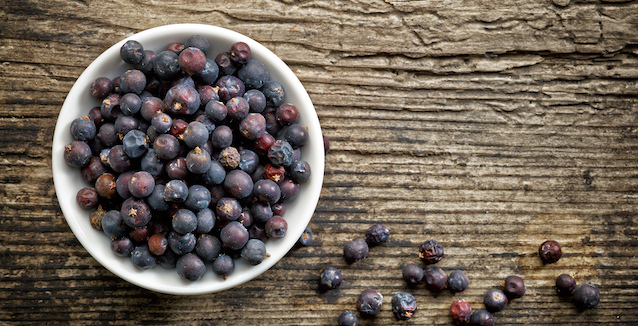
column 226, row 65
column 192, row 60
column 330, row 278
column 261, row 212
column 431, row 252
column 162, row 122
column 181, row 243
column 586, row 296
column 369, row 302
column 96, row 116
column 142, row 257
column 550, row 251
column 166, row 146
column 246, row 217
column 152, row 164
column 267, row 191
column 135, row 143
column 133, row 81
column 238, row 183
column 457, row 281
column 481, row 317
column 87, row 198
column 122, row 182
column 140, row 234
column 222, row 137
column 377, row 234
column 216, row 110
column 146, row 64
column 105, row 186
column 287, row 114
column 514, row 287
column 83, row 129
column 157, row 244
column 197, row 41
column 435, row 279
column 274, row 173
column 198, row 198
column 460, row 310
column 254, row 74
column 135, row 212
column 412, row 274
column 207, row 93
column 289, row 189
column 257, row 232
column 253, row 126
column 205, row 220
column 227, row 209
column 565, row 284
column 208, row 247
column 166, row 65
column 175, row 191
column 238, row 109
column 116, row 86
column 178, row 127
column 355, row 250
column 184, row 221
column 141, row 184
column 296, row 135
column 101, row 87
column 124, row 123
column 175, row 47
column 240, row 52
column 122, row 246
column 176, row 168
column 300, row 171
column 248, row 161
column 118, row 160
column 190, row 267
column 77, row 154
column 254, row 251
column 403, row 305
column 223, row 266
column 274, row 93
column 93, row 170
column 348, row 318
column 150, row 107
column 198, row 161
column 132, row 52
column 168, row 260
column 280, row 153
column 130, row 103
column 258, row 174
column 209, row 74
column 306, row 237
column 273, row 126
column 229, row 157
column 214, row 175
column 112, row 224
column 182, row 99
column 495, row 300
column 256, row 100
column 196, row 134
column 263, row 143
column 107, row 135
column 230, row 87
column 276, row 227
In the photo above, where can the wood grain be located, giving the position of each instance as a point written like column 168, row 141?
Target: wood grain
column 489, row 126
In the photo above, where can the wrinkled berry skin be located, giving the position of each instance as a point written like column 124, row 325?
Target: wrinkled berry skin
column 550, row 251
column 495, row 300
column 135, row 143
column 132, row 52
column 240, row 52
column 377, row 234
column 87, row 197
column 481, row 317
column 280, row 153
column 190, row 267
column 369, row 302
column 355, row 250
column 230, row 87
column 565, row 284
column 460, row 310
column 431, row 252
column 514, row 287
column 586, row 296
column 403, row 305
column 348, row 318
column 435, row 279
column 412, row 274
column 254, row 251
column 330, row 278
column 274, row 93
column 457, row 281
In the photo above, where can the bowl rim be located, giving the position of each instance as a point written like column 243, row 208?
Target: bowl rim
column 310, row 190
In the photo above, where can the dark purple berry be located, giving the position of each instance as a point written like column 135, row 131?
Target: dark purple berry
column 168, row 260
column 273, row 126
column 276, row 227
column 256, row 100
column 355, row 250
column 274, row 173
column 435, row 279
column 369, row 302
column 586, row 296
column 514, row 287
column 77, row 154
column 122, row 247
column 248, row 161
column 230, row 87
column 238, row 183
column 326, row 144
column 146, row 64
column 135, row 143
column 133, row 81
column 481, row 317
column 152, row 164
column 238, row 109
column 403, row 305
column 253, row 126
column 175, row 47
column 192, row 60
column 257, row 232
column 198, row 161
column 87, row 197
column 95, row 115
column 110, row 107
column 245, row 218
column 226, row 65
column 223, row 266
column 216, row 110
column 457, row 281
column 162, row 122
column 431, row 252
column 184, row 221
column 207, row 93
column 205, row 220
column 210, row 73
column 182, row 99
column 135, row 212
column 152, row 106
column 166, row 65
column 166, row 146
column 181, row 244
column 176, row 168
column 254, row 251
column 300, row 171
column 296, row 135
column 267, row 191
column 130, row 103
column 215, row 174
column 549, row 251
column 330, row 278
column 262, row 212
column 107, row 135
column 197, row 41
column 83, row 129
column 228, row 209
column 196, row 134
column 274, row 93
column 101, row 87
column 132, row 52
column 377, row 234
column 412, row 274
column 240, row 52
column 175, row 191
column 348, row 318
column 124, row 123
column 280, row 153
column 105, row 186
column 112, row 224
column 142, row 257
column 156, row 199
column 157, row 244
column 141, row 184
column 287, row 114
column 93, row 170
column 208, row 247
column 190, row 267
column 263, row 143
column 118, row 160
column 460, row 310
column 222, row 137
column 254, row 74
column 198, row 198
column 306, row 237
column 565, row 284
column 289, row 189
column 495, row 300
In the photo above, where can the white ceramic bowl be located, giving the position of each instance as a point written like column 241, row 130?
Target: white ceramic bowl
column 68, row 180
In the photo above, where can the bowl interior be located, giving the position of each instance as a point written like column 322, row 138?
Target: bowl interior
column 68, row 180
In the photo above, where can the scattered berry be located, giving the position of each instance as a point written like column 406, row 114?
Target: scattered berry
column 403, row 305
column 460, row 311
column 586, row 296
column 565, row 284
column 514, row 287
column 369, row 302
column 355, row 250
column 330, row 278
column 431, row 252
column 377, row 234
column 550, row 251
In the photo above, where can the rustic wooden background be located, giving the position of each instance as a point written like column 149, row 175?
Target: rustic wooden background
column 487, row 125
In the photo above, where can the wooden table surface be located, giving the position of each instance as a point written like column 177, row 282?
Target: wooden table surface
column 490, row 126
